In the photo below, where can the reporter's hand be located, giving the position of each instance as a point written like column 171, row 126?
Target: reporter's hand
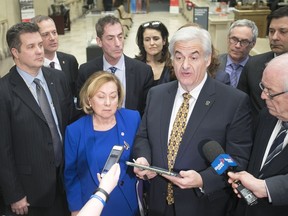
column 20, row 207
column 143, row 174
column 257, row 186
column 187, row 179
column 110, row 179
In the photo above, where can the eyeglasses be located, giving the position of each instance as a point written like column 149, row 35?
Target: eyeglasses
column 271, row 96
column 243, row 43
column 153, row 24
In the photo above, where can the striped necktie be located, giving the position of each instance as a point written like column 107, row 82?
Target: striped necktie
column 113, row 69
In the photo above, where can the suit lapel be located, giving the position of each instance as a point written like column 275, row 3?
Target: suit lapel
column 204, row 102
column 129, row 75
column 21, row 89
column 63, row 62
column 168, row 102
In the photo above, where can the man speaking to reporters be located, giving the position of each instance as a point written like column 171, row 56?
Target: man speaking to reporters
column 211, row 110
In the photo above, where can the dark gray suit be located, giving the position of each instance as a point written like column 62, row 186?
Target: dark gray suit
column 275, row 173
column 69, row 66
column 221, row 113
column 27, row 157
column 139, row 79
column 221, row 74
column 250, row 78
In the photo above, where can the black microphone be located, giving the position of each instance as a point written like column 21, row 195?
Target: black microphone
column 222, row 163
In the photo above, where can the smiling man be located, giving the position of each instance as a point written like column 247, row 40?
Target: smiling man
column 211, row 111
column 241, row 39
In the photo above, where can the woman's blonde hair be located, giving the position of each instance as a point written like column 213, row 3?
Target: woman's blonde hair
column 93, row 84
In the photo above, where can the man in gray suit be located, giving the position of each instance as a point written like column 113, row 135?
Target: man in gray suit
column 242, row 37
column 267, row 173
column 31, row 133
column 215, row 112
column 252, row 72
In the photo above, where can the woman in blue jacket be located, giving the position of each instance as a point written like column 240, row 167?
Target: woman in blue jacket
column 89, row 140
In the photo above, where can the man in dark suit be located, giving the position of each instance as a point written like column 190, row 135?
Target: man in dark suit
column 216, row 112
column 242, row 37
column 61, row 61
column 252, row 72
column 30, row 175
column 135, row 76
column 267, row 173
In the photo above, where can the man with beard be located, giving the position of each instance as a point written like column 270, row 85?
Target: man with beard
column 253, row 70
column 242, row 37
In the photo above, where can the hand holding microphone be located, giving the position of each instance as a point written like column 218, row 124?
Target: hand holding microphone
column 223, row 163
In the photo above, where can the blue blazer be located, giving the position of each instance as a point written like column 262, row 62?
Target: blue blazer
column 80, row 174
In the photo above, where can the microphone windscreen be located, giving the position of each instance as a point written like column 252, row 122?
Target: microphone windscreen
column 211, row 150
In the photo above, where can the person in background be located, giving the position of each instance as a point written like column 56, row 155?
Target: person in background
column 242, row 37
column 53, row 58
column 135, row 76
column 197, row 102
column 152, row 40
column 252, row 72
column 35, row 108
column 267, row 173
column 89, row 140
column 98, row 201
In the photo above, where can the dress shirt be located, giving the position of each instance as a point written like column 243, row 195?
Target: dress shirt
column 28, row 79
column 229, row 69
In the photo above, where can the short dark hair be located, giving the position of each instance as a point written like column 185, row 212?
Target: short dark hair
column 158, row 26
column 102, row 22
column 13, row 33
column 277, row 14
column 40, row 18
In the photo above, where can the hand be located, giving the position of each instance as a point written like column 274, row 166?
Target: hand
column 143, row 174
column 257, row 186
column 110, row 179
column 20, row 207
column 74, row 213
column 188, row 179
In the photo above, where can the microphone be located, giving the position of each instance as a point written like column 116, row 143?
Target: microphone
column 222, row 163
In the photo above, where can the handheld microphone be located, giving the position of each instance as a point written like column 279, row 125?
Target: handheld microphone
column 221, row 163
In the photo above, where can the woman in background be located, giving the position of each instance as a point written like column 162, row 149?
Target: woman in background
column 89, row 140
column 152, row 40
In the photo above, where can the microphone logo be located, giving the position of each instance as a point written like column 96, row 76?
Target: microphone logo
column 222, row 163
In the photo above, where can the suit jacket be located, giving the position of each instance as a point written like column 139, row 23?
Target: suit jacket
column 69, row 65
column 81, row 166
column 27, row 156
column 139, row 79
column 221, row 113
column 221, row 74
column 275, row 173
column 250, row 78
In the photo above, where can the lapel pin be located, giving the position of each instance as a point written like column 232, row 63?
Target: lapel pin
column 122, row 134
column 63, row 62
column 126, row 145
column 207, row 103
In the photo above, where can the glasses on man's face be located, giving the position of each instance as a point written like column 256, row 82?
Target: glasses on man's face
column 153, row 24
column 243, row 43
column 267, row 92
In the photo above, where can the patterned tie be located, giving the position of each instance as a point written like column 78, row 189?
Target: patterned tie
column 177, row 132
column 233, row 76
column 276, row 146
column 52, row 64
column 46, row 110
column 113, row 69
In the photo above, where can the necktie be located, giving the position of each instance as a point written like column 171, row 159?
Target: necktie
column 234, row 76
column 113, row 69
column 52, row 64
column 177, row 132
column 46, row 110
column 276, row 146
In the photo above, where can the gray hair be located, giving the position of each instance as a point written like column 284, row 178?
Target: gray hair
column 192, row 34
column 248, row 23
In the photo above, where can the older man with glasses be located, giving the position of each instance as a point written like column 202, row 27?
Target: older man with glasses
column 242, row 37
column 267, row 173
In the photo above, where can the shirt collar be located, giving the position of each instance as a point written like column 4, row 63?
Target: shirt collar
column 119, row 65
column 242, row 63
